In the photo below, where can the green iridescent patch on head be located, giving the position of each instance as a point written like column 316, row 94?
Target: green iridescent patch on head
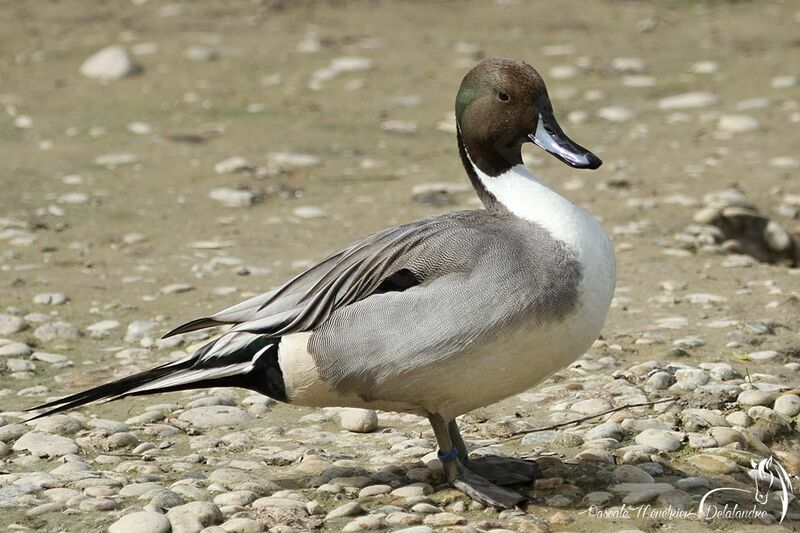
column 465, row 96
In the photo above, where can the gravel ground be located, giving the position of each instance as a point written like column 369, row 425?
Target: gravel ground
column 163, row 160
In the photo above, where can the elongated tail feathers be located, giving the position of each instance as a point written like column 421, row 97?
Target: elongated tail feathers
column 234, row 360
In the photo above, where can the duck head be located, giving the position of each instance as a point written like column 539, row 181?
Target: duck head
column 502, row 104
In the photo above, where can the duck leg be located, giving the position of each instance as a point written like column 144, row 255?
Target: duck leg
column 498, row 470
column 462, row 478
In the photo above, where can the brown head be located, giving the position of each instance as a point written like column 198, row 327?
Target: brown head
column 503, row 103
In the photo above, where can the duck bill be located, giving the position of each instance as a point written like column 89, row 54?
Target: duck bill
column 551, row 138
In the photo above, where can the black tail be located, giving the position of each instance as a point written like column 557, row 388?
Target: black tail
column 243, row 360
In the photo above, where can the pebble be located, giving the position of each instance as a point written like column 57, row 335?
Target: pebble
column 103, row 328
column 615, row 113
column 358, row 420
column 632, row 474
column 691, row 378
column 691, row 100
column 200, row 53
column 233, row 165
column 10, row 324
column 215, row 416
column 763, row 355
column 365, row 523
column 738, row 123
column 787, row 405
column 50, row 298
column 308, row 211
column 230, row 197
column 659, row 439
column 193, row 517
column 714, row 464
column 111, row 63
column 45, row 444
column 15, row 349
column 755, row 397
column 141, row 522
column 444, row 520
column 347, row 509
column 53, row 331
column 45, row 508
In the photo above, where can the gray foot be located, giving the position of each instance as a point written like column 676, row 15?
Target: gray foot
column 483, row 491
column 504, row 470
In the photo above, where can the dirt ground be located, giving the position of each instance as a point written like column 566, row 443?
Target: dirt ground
column 252, row 98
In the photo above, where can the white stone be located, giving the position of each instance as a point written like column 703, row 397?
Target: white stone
column 615, row 113
column 783, row 82
column 10, row 324
column 738, row 123
column 57, row 331
column 290, row 160
column 200, row 53
column 230, row 197
column 45, row 444
column 705, row 67
column 139, row 128
column 358, row 420
column 308, row 211
column 141, row 522
column 659, row 439
column 232, row 165
column 564, row 72
column 50, row 298
column 787, row 404
column 691, row 100
column 591, row 406
column 632, row 65
column 111, row 63
column 193, row 517
column 15, row 349
column 215, row 416
column 115, row 160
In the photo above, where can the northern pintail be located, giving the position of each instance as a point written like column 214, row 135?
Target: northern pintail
column 436, row 317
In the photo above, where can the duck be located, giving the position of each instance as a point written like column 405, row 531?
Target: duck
column 436, row 317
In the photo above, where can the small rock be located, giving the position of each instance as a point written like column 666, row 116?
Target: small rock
column 632, row 474
column 50, row 298
column 691, row 100
column 764, row 355
column 755, row 397
column 444, row 519
column 308, row 211
column 787, row 405
column 230, row 197
column 714, row 464
column 15, row 349
column 364, row 523
column 111, row 63
column 659, row 439
column 10, row 324
column 193, row 517
column 347, row 509
column 738, row 123
column 45, row 444
column 177, row 288
column 200, row 53
column 61, row 331
column 141, row 522
column 615, row 113
column 214, row 416
column 359, row 420
column 232, row 165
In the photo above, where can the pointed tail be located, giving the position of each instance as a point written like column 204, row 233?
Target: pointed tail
column 236, row 359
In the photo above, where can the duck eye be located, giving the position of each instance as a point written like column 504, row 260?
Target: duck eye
column 503, row 96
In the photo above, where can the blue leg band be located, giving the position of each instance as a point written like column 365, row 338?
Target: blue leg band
column 448, row 457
